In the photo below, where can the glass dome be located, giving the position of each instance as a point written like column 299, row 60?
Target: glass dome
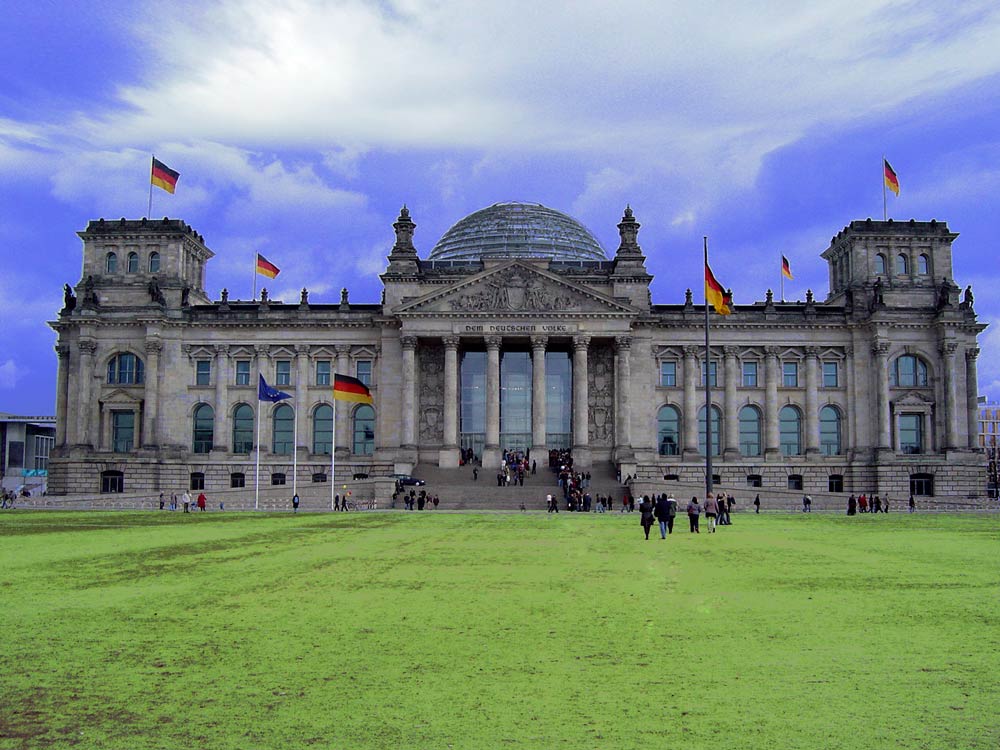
column 518, row 230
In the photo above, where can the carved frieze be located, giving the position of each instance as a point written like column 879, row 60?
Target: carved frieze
column 601, row 392
column 515, row 290
column 431, row 392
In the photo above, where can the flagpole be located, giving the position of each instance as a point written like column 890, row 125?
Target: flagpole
column 885, row 210
column 253, row 295
column 256, row 481
column 333, row 449
column 295, row 451
column 708, row 393
column 782, row 279
column 149, row 207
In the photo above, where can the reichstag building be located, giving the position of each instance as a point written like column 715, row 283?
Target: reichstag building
column 518, row 330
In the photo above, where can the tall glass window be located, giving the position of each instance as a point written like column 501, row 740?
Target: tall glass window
column 911, row 433
column 790, row 431
column 790, row 373
column 749, row 431
column 364, row 370
column 111, row 263
column 123, row 429
column 323, row 372
column 908, row 372
column 702, row 430
column 830, row 375
column 283, row 372
column 204, row 428
column 923, row 265
column 242, row 429
column 132, row 261
column 203, row 372
column 558, row 399
column 243, row 372
column 668, row 424
column 880, row 265
column 284, row 431
column 154, row 262
column 829, row 431
column 364, row 430
column 125, row 369
column 322, row 429
column 668, row 374
column 473, row 402
column 901, row 264
column 515, row 400
column 749, row 374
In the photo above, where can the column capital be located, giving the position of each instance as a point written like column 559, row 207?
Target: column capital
column 971, row 354
column 262, row 350
column 221, row 350
column 342, row 350
column 187, row 349
column 581, row 343
column 771, row 352
column 691, row 352
column 948, row 348
column 408, row 342
column 730, row 352
column 539, row 343
column 62, row 351
column 302, row 349
column 493, row 342
column 880, row 348
column 87, row 346
column 154, row 346
column 812, row 352
column 849, row 351
column 450, row 342
column 623, row 343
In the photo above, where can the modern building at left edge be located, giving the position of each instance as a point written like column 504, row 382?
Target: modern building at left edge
column 519, row 331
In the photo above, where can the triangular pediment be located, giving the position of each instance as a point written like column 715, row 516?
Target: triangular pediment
column 912, row 398
column 515, row 289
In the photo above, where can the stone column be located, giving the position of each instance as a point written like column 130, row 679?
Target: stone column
column 85, row 379
column 342, row 409
column 850, row 429
column 772, row 438
column 581, row 402
column 690, row 418
column 409, row 391
column 948, row 349
column 221, row 434
column 151, row 407
column 623, row 390
column 62, row 394
column 812, row 401
column 265, row 409
column 303, row 441
column 971, row 396
column 731, row 430
column 491, row 452
column 448, row 456
column 883, row 433
column 538, row 406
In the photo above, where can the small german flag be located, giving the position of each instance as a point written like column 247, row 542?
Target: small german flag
column 891, row 181
column 163, row 176
column 346, row 388
column 266, row 267
column 786, row 269
column 715, row 294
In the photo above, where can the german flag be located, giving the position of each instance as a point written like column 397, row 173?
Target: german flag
column 891, row 181
column 346, row 388
column 786, row 269
column 163, row 176
column 266, row 267
column 715, row 294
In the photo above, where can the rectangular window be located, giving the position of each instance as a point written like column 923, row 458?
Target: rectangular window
column 712, row 373
column 123, row 428
column 203, row 372
column 365, row 371
column 323, row 372
column 910, row 438
column 197, row 480
column 283, row 372
column 830, row 375
column 668, row 374
column 243, row 372
column 237, row 480
column 43, row 447
column 790, row 371
column 749, row 374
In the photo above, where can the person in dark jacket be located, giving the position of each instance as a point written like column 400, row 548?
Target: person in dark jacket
column 665, row 512
column 756, row 503
column 646, row 514
column 694, row 511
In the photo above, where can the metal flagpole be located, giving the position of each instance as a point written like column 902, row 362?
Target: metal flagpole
column 295, row 451
column 253, row 295
column 333, row 447
column 256, row 481
column 885, row 212
column 708, row 393
column 782, row 279
column 149, row 208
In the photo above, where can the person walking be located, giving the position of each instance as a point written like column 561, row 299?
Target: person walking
column 173, row 501
column 186, row 501
column 645, row 515
column 711, row 512
column 202, row 501
column 161, row 501
column 664, row 505
column 912, row 506
column 756, row 504
column 475, row 473
column 694, row 511
column 295, row 503
column 852, row 505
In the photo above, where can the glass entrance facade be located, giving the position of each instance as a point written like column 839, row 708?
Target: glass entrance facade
column 472, row 400
column 558, row 400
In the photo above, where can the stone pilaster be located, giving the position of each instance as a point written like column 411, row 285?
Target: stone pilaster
column 62, row 393
column 221, row 435
column 623, row 389
column 84, row 382
column 151, row 407
column 812, row 401
column 731, row 430
column 342, row 410
column 690, row 417
column 448, row 455
column 581, row 402
column 971, row 396
column 883, row 433
column 492, row 453
column 951, row 414
column 409, row 391
column 303, row 441
column 538, row 405
column 772, row 438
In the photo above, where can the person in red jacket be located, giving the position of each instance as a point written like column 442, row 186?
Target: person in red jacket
column 201, row 502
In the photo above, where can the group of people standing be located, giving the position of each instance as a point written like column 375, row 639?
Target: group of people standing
column 185, row 500
column 663, row 508
column 875, row 504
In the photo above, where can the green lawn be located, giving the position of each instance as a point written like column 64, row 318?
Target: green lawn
column 434, row 630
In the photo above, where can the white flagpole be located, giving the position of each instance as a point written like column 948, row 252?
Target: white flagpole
column 295, row 451
column 782, row 279
column 885, row 210
column 256, row 481
column 253, row 295
column 333, row 450
column 149, row 208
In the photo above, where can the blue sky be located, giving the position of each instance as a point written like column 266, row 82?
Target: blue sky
column 300, row 128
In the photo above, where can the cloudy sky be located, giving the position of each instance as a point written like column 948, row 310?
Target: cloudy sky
column 300, row 128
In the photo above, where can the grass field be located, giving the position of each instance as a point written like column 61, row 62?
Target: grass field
column 435, row 630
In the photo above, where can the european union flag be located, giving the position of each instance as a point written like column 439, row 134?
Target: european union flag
column 267, row 393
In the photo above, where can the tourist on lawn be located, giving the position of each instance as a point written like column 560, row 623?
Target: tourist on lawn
column 911, row 505
column 186, row 502
column 162, row 501
column 202, row 501
column 436, row 501
column 475, row 473
column 806, row 504
column 711, row 512
column 645, row 515
column 756, row 503
column 885, row 504
column 173, row 501
column 730, row 502
column 877, row 505
column 862, row 503
column 852, row 505
column 665, row 511
column 295, row 503
column 694, row 511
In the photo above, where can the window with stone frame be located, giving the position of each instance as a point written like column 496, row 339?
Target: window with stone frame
column 749, row 374
column 364, row 371
column 790, row 374
column 323, row 372
column 203, row 372
column 283, row 372
column 668, row 374
column 243, row 372
column 830, row 375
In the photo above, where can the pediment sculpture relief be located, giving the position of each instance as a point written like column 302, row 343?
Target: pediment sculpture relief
column 513, row 290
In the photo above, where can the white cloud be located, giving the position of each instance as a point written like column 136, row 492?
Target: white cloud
column 10, row 374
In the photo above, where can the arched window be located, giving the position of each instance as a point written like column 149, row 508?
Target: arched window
column 132, row 263
column 242, row 429
column 204, row 428
column 668, row 422
column 716, row 427
column 125, row 369
column 322, row 429
column 880, row 265
column 154, row 262
column 284, row 430
column 902, row 265
column 829, row 431
column 923, row 265
column 111, row 263
column 749, row 431
column 364, row 430
column 908, row 372
column 790, row 431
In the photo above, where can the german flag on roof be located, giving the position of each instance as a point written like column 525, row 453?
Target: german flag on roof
column 163, row 176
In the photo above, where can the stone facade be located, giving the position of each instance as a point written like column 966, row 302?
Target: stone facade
column 873, row 389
